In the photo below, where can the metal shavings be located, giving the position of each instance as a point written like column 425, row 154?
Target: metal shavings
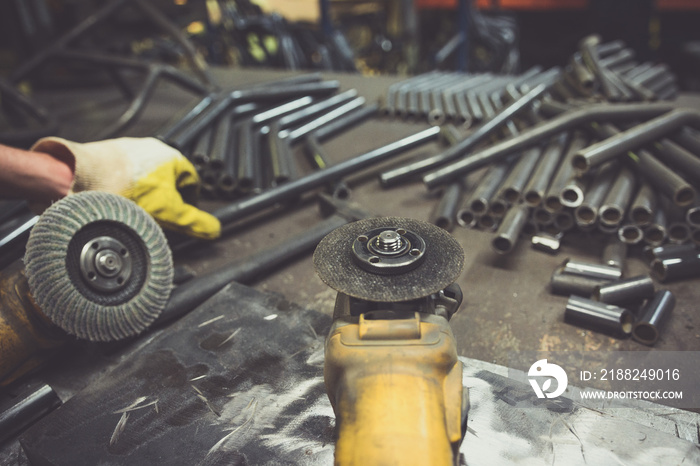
column 198, row 378
column 119, row 428
column 135, row 405
column 210, row 321
column 223, row 440
column 313, row 331
column 209, row 405
column 270, row 317
column 197, row 390
column 230, row 337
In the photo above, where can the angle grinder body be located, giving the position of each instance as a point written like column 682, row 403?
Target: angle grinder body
column 97, row 267
column 391, row 368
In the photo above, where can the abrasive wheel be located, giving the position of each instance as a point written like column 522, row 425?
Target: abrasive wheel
column 388, row 259
column 99, row 266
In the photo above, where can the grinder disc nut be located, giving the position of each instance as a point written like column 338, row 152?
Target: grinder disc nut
column 388, row 250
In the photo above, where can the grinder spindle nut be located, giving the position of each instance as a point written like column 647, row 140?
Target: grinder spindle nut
column 388, row 250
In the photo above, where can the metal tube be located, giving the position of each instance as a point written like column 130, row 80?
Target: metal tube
column 630, row 234
column 655, row 314
column 478, row 201
column 678, row 158
column 678, row 232
column 591, row 270
column 201, row 106
column 319, row 108
column 446, row 209
column 313, row 180
column 345, row 122
column 221, row 142
column 571, row 194
column 589, row 55
column 618, row 198
column 518, row 177
column 614, row 254
column 586, row 213
column 563, row 175
column 566, row 284
column 282, row 166
column 510, row 228
column 400, row 174
column 598, row 316
column 686, row 138
column 202, row 147
column 634, row 138
column 564, row 220
column 643, row 205
column 246, row 159
column 532, row 136
column 297, row 134
column 547, row 165
column 488, row 222
column 667, row 251
column 692, row 216
column 627, row 291
column 25, row 409
column 318, row 157
column 679, row 267
column 498, row 207
column 192, row 293
column 655, row 233
column 267, row 116
column 401, row 103
column 612, row 61
column 665, row 180
column 650, row 74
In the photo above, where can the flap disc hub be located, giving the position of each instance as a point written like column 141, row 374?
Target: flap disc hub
column 105, row 264
column 389, row 259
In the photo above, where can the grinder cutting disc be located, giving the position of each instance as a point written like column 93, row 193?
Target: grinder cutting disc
column 350, row 259
column 99, row 266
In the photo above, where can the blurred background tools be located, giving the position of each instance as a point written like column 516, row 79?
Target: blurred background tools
column 390, row 345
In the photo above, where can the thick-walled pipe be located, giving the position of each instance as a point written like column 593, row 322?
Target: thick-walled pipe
column 25, row 409
column 635, row 137
column 566, row 284
column 283, row 192
column 586, row 213
column 194, row 292
column 627, row 291
column 445, row 211
column 563, row 175
column 532, row 136
column 679, row 267
column 692, row 216
column 655, row 233
column 598, row 316
column 564, row 220
column 643, row 205
column 630, row 234
column 654, row 314
column 586, row 269
column 665, row 251
column 221, row 142
column 614, row 206
column 478, row 200
column 517, row 179
column 200, row 152
column 510, row 228
column 546, row 167
column 401, row 174
column 678, row 158
column 678, row 232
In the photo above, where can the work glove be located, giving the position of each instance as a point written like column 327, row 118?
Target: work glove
column 145, row 170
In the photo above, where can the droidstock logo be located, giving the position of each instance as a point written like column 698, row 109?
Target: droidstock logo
column 543, row 370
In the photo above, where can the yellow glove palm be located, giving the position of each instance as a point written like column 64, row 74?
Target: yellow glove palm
column 145, row 170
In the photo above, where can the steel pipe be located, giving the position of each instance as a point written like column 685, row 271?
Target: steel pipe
column 614, row 254
column 518, row 177
column 614, row 206
column 586, row 269
column 630, row 234
column 25, row 409
column 345, row 122
column 478, row 200
column 319, row 108
column 665, row 251
column 401, row 174
column 532, row 136
column 654, row 314
column 542, row 175
column 282, row 167
column 688, row 139
column 643, row 205
column 678, row 232
column 297, row 134
column 598, row 316
column 510, row 229
column 294, row 188
column 586, row 214
column 629, row 291
column 563, row 175
column 679, row 267
column 678, row 158
column 566, row 284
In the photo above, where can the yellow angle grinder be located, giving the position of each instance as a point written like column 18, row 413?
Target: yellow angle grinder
column 97, row 267
column 391, row 367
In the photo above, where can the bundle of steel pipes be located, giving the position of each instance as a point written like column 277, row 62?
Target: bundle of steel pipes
column 593, row 146
column 241, row 140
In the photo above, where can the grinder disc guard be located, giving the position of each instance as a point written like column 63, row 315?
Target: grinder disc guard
column 339, row 268
column 99, row 266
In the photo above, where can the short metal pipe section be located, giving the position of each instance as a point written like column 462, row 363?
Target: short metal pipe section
column 510, row 228
column 604, row 272
column 566, row 284
column 598, row 316
column 654, row 316
column 627, row 291
column 678, row 267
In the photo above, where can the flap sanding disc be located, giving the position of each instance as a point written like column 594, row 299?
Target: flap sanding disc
column 99, row 266
column 337, row 266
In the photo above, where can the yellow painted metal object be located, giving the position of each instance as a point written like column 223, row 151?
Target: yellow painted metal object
column 395, row 384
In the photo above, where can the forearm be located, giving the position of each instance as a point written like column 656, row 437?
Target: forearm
column 35, row 176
